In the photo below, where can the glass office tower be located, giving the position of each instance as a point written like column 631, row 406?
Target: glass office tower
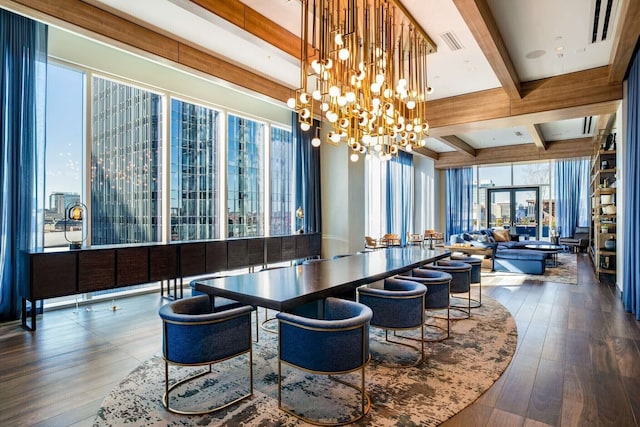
column 194, row 171
column 125, row 164
column 245, row 177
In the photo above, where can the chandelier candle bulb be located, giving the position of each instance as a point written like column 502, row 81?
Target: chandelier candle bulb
column 367, row 60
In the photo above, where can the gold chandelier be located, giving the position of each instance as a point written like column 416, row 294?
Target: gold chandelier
column 364, row 65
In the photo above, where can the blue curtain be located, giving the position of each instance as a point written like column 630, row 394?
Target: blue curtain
column 572, row 195
column 23, row 60
column 631, row 260
column 399, row 204
column 458, row 201
column 307, row 177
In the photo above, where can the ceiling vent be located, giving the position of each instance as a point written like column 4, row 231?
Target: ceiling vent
column 451, row 40
column 587, row 122
column 602, row 14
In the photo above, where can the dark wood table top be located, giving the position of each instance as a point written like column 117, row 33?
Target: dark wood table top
column 285, row 288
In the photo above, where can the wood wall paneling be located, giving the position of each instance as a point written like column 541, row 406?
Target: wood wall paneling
column 237, row 253
column 216, row 256
column 53, row 274
column 96, row 269
column 132, row 266
column 163, row 262
column 192, row 259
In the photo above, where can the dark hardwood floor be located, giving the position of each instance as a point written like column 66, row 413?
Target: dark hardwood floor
column 577, row 362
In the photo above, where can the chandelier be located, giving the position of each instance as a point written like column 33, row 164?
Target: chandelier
column 364, row 66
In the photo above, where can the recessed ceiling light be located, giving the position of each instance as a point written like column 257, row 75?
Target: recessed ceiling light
column 535, row 54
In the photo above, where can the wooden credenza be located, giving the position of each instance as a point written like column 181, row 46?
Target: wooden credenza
column 64, row 272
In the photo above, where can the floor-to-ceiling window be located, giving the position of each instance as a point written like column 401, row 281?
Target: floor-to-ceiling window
column 194, row 171
column 281, row 181
column 245, row 177
column 126, row 147
column 517, row 195
column 64, row 152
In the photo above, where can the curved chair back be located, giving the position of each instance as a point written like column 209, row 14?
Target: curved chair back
column 337, row 343
column 437, row 283
column 190, row 323
column 399, row 305
column 476, row 266
column 460, row 274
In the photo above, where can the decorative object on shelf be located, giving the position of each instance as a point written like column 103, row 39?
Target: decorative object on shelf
column 610, row 244
column 609, row 209
column 604, row 228
column 300, row 217
column 76, row 213
column 365, row 64
column 604, row 164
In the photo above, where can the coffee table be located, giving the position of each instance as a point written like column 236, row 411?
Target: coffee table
column 551, row 251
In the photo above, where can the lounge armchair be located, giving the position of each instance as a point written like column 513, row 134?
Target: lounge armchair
column 391, row 239
column 579, row 241
column 371, row 243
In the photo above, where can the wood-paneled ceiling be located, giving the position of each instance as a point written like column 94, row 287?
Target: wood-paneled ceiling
column 528, row 83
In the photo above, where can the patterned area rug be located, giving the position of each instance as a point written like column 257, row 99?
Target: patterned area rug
column 565, row 272
column 457, row 371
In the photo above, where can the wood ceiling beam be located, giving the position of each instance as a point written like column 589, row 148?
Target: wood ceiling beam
column 625, row 41
column 458, row 144
column 477, row 15
column 582, row 93
column 253, row 23
column 427, row 152
column 579, row 147
column 88, row 18
column 537, row 136
column 567, row 96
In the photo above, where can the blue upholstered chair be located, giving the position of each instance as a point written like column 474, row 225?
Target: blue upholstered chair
column 437, row 296
column 398, row 305
column 336, row 344
column 195, row 334
column 460, row 281
column 221, row 303
column 476, row 275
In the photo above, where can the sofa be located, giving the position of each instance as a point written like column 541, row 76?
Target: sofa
column 507, row 255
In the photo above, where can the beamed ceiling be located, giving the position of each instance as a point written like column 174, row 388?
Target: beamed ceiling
column 532, row 79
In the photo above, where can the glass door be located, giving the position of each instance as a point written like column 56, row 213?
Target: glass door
column 516, row 209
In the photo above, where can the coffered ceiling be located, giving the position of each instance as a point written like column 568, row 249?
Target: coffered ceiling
column 523, row 80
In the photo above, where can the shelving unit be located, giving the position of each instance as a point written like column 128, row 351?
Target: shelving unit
column 603, row 217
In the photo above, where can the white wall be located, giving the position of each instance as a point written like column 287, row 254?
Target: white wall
column 114, row 63
column 343, row 201
column 425, row 203
column 621, row 148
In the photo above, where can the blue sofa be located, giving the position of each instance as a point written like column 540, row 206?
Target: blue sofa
column 524, row 261
column 508, row 256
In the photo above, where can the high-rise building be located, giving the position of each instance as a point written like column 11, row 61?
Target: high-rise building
column 125, row 164
column 194, row 172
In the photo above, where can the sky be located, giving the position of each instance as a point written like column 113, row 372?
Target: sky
column 64, row 131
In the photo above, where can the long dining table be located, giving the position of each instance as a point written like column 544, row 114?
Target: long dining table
column 284, row 289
